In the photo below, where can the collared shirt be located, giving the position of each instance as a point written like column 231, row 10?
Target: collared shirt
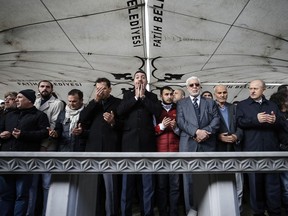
column 198, row 101
column 259, row 101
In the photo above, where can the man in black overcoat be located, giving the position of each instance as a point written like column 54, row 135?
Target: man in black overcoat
column 100, row 122
column 138, row 110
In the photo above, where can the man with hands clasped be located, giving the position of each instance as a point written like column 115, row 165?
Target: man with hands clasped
column 52, row 106
column 67, row 130
column 198, row 121
column 229, row 134
column 259, row 119
column 22, row 129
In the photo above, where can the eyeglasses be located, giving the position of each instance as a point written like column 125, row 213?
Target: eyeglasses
column 194, row 84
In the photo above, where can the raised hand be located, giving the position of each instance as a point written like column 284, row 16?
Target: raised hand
column 261, row 117
column 173, row 123
column 5, row 134
column 99, row 94
column 52, row 133
column 78, row 130
column 137, row 91
column 16, row 133
column 166, row 121
column 109, row 118
column 271, row 118
column 142, row 90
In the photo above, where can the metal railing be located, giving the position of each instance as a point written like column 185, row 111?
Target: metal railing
column 96, row 162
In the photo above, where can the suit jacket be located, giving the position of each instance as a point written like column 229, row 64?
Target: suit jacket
column 138, row 116
column 102, row 137
column 233, row 129
column 188, row 124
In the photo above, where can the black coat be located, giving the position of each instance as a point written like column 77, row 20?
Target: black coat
column 258, row 136
column 33, row 125
column 138, row 130
column 102, row 137
column 283, row 132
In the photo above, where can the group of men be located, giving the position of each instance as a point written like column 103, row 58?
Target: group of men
column 139, row 123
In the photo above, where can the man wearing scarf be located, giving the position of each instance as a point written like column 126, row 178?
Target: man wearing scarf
column 67, row 129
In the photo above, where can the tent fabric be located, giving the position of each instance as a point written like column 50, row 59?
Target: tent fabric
column 72, row 43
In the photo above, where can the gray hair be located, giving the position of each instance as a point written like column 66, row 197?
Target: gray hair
column 192, row 78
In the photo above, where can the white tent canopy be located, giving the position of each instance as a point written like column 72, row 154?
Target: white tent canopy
column 73, row 42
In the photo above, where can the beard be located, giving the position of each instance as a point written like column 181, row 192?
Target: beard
column 194, row 94
column 45, row 94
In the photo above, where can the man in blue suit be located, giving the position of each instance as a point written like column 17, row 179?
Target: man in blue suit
column 198, row 120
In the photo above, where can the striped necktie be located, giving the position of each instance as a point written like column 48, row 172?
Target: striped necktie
column 197, row 110
column 195, row 103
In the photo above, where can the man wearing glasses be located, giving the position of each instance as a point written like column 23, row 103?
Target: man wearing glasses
column 198, row 121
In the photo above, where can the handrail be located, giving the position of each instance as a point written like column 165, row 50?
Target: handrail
column 137, row 162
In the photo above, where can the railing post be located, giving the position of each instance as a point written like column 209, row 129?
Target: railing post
column 72, row 195
column 215, row 194
column 59, row 195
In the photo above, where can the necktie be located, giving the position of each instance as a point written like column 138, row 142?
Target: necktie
column 197, row 110
column 195, row 103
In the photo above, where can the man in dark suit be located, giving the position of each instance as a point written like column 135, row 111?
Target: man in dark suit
column 198, row 121
column 138, row 109
column 99, row 118
column 260, row 120
column 229, row 135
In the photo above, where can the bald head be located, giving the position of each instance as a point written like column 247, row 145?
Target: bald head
column 259, row 83
column 256, row 89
